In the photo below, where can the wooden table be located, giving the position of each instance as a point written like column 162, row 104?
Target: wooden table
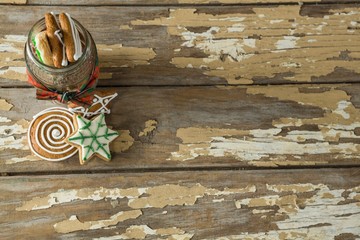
column 239, row 119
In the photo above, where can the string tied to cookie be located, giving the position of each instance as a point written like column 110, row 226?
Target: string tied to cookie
column 82, row 97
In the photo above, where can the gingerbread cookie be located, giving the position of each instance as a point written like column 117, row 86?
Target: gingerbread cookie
column 54, row 35
column 92, row 137
column 48, row 132
column 43, row 49
column 100, row 104
column 71, row 37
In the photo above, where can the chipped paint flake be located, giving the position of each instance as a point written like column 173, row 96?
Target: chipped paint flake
column 150, row 126
column 157, row 196
column 4, row 120
column 73, row 224
column 143, row 231
column 117, row 55
column 125, row 27
column 4, row 105
column 287, row 43
column 123, row 142
column 175, row 195
column 295, row 188
column 20, row 127
column 10, row 142
column 66, row 196
column 13, row 136
column 28, row 158
column 11, row 57
column 13, row 1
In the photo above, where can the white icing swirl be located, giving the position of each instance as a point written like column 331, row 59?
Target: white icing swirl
column 76, row 38
column 64, row 61
column 59, row 35
column 50, row 133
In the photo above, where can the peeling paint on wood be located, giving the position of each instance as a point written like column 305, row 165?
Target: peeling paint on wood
column 12, row 136
column 245, row 47
column 73, row 224
column 318, row 216
column 12, row 57
column 157, row 197
column 208, row 45
column 142, row 231
column 4, row 105
column 278, row 204
column 340, row 121
column 123, row 142
column 118, row 56
column 150, row 126
column 4, row 119
column 13, row 1
column 270, row 126
column 28, row 158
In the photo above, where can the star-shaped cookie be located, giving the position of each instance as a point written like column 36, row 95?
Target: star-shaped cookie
column 92, row 137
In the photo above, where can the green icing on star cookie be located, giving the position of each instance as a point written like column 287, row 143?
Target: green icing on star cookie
column 94, row 137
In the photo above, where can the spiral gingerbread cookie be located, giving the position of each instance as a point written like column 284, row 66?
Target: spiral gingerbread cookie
column 71, row 37
column 47, row 134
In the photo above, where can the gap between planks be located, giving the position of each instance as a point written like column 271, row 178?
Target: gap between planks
column 215, row 4
column 208, row 85
column 179, row 169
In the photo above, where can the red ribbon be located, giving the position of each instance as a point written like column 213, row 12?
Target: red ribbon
column 83, row 96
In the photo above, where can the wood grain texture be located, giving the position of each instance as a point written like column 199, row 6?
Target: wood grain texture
column 165, row 127
column 203, row 45
column 283, row 204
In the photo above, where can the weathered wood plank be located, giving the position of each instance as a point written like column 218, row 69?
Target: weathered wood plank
column 283, row 204
column 203, row 45
column 169, row 2
column 164, row 127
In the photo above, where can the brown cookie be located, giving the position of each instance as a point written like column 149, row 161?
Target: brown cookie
column 54, row 34
column 71, row 37
column 43, row 49
column 48, row 132
column 101, row 103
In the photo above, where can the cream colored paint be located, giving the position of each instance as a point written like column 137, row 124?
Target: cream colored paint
column 144, row 231
column 266, row 147
column 4, row 120
column 150, row 126
column 73, row 224
column 28, row 158
column 11, row 142
column 4, row 105
column 13, row 1
column 117, row 55
column 281, row 49
column 20, row 127
column 13, row 136
column 123, row 142
column 295, row 188
column 157, row 196
column 11, row 57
